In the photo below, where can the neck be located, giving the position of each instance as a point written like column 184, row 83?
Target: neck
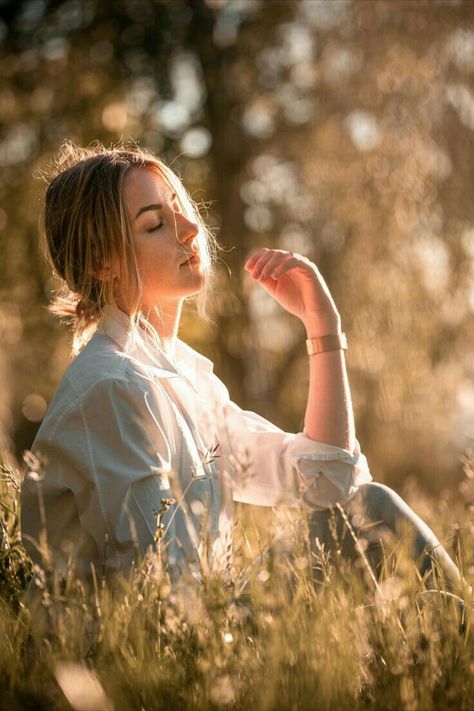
column 165, row 320
column 166, row 324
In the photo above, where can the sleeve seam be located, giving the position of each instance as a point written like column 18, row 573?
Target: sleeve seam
column 80, row 397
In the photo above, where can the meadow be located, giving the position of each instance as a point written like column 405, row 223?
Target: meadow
column 341, row 130
column 294, row 629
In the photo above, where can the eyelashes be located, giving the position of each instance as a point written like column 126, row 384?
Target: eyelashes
column 175, row 208
column 155, row 229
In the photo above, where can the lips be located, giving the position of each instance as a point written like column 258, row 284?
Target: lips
column 192, row 258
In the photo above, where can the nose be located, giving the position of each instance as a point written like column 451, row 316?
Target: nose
column 186, row 229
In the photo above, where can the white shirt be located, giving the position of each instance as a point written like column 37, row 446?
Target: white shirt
column 126, row 429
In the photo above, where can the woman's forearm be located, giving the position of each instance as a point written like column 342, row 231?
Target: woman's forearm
column 329, row 417
column 297, row 284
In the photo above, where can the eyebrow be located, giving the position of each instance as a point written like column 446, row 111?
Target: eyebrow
column 154, row 206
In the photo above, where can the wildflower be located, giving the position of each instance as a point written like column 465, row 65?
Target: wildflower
column 166, row 503
column 158, row 513
column 209, row 455
column 10, row 476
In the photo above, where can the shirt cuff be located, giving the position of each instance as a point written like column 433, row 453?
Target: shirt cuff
column 328, row 474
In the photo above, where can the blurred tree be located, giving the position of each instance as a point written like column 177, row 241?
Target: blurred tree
column 341, row 130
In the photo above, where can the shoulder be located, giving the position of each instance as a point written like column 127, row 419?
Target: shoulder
column 100, row 360
column 100, row 381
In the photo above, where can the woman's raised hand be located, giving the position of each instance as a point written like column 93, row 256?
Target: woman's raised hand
column 296, row 283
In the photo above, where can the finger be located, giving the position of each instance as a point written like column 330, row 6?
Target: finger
column 278, row 266
column 252, row 258
column 264, row 257
column 285, row 266
column 273, row 263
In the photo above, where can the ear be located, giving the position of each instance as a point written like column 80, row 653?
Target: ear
column 107, row 272
column 104, row 274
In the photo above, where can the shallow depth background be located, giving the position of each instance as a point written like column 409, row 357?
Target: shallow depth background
column 341, row 130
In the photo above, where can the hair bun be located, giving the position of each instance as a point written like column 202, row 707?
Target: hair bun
column 86, row 310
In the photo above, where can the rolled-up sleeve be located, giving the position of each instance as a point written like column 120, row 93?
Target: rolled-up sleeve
column 270, row 467
column 330, row 474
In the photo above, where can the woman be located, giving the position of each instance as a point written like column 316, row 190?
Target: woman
column 140, row 429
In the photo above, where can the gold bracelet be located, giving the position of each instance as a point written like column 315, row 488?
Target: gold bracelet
column 326, row 343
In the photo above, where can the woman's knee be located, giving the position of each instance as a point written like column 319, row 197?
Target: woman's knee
column 379, row 497
column 382, row 504
column 377, row 490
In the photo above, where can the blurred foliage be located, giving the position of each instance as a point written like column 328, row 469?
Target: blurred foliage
column 342, row 130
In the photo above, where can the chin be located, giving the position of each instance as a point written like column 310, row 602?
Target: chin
column 191, row 289
column 196, row 279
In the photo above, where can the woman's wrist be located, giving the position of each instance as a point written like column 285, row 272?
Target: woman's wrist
column 324, row 325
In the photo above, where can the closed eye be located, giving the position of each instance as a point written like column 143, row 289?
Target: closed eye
column 154, row 229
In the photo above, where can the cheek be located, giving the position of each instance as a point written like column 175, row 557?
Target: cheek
column 156, row 262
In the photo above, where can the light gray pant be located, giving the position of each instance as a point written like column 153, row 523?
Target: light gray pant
column 381, row 521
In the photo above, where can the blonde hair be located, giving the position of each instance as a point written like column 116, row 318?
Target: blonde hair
column 85, row 224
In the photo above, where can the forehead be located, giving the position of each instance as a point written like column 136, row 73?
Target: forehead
column 144, row 186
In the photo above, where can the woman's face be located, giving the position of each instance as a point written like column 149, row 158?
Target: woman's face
column 164, row 240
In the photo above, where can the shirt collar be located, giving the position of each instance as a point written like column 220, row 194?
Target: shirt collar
column 116, row 324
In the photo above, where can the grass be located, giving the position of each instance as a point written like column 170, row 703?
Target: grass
column 295, row 630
